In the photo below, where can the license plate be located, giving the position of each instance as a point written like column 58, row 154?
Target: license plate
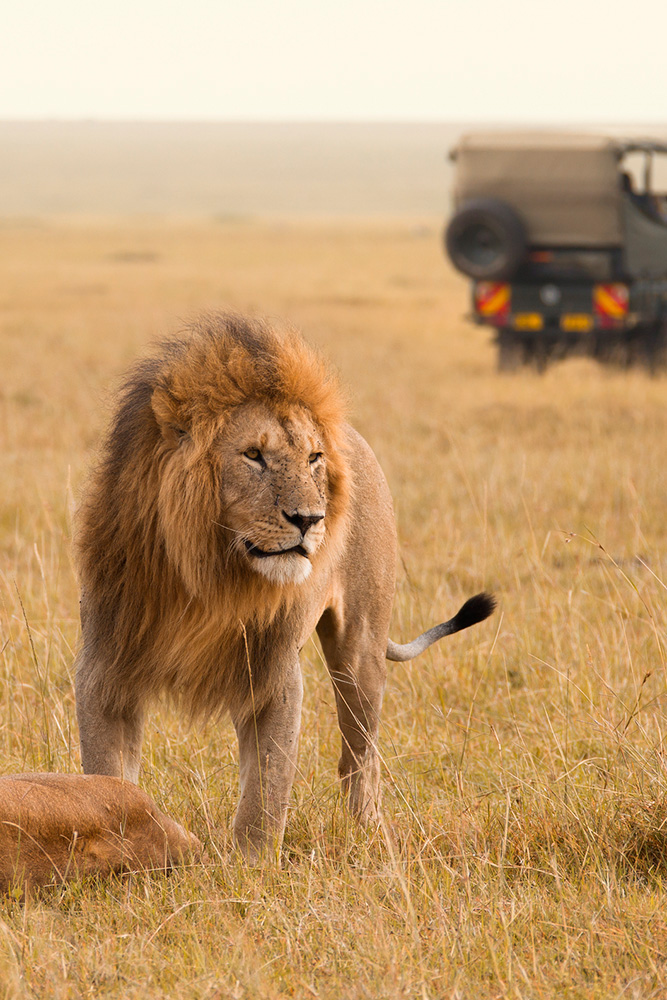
column 528, row 321
column 576, row 322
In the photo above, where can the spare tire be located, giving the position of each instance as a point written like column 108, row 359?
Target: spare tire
column 486, row 239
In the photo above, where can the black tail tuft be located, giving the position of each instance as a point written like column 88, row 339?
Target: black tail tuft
column 475, row 609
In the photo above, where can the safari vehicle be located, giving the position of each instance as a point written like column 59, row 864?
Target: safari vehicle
column 567, row 250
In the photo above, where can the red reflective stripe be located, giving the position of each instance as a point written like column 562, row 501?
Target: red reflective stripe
column 611, row 300
column 492, row 298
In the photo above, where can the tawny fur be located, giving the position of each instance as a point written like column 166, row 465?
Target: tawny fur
column 232, row 513
column 163, row 586
column 55, row 827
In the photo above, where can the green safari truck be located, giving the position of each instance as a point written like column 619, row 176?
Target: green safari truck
column 565, row 241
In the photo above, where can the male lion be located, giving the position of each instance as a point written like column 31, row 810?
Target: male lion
column 233, row 512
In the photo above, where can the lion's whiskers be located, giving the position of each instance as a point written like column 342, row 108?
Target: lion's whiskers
column 228, row 527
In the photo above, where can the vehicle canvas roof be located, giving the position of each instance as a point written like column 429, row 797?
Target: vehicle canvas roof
column 565, row 186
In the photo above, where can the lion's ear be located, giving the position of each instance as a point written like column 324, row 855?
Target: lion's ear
column 170, row 419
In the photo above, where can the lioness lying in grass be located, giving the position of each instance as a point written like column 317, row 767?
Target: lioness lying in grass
column 55, row 827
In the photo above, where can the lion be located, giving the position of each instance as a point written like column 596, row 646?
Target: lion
column 55, row 827
column 233, row 512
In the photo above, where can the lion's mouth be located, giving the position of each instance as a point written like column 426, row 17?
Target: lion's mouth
column 254, row 550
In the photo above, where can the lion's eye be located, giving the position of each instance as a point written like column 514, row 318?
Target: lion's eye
column 315, row 457
column 254, row 454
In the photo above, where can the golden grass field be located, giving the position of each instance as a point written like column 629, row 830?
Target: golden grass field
column 526, row 847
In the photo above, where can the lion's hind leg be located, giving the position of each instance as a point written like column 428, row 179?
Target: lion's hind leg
column 356, row 662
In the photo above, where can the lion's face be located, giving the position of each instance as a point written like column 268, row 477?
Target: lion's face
column 274, row 490
column 225, row 477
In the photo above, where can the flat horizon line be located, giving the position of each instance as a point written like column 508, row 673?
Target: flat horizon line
column 449, row 122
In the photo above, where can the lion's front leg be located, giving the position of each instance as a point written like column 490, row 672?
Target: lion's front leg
column 110, row 741
column 268, row 744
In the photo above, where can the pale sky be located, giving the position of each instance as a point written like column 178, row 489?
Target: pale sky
column 537, row 61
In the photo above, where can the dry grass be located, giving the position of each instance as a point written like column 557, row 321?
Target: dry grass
column 524, row 777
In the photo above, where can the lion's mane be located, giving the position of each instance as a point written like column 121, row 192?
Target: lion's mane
column 166, row 602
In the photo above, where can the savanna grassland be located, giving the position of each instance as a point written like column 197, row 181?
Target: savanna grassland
column 525, row 847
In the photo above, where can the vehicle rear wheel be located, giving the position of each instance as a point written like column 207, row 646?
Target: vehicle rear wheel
column 511, row 353
column 613, row 351
column 653, row 354
column 539, row 354
column 517, row 350
column 486, row 240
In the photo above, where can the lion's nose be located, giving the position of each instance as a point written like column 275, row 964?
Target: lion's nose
column 302, row 521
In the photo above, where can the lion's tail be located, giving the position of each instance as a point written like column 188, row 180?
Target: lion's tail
column 475, row 609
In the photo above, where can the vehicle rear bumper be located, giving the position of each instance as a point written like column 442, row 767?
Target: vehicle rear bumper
column 571, row 309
